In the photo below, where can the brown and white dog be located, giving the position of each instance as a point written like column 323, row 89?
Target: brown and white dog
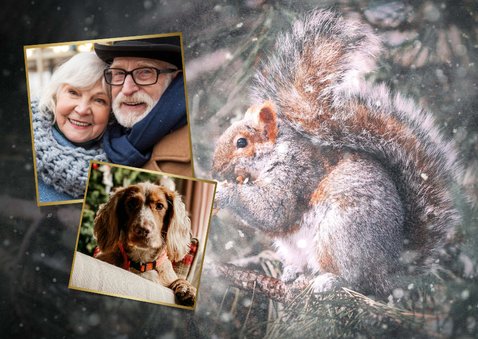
column 144, row 228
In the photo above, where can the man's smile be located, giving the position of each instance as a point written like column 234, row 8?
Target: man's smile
column 133, row 103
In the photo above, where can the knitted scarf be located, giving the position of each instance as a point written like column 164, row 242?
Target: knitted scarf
column 65, row 167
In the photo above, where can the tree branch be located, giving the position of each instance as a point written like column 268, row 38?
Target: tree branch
column 271, row 287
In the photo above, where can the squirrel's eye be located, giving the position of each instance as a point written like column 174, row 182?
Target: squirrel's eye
column 159, row 206
column 241, row 143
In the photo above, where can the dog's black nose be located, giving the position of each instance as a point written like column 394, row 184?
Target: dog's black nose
column 142, row 232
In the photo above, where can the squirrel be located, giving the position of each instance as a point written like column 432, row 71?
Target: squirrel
column 353, row 183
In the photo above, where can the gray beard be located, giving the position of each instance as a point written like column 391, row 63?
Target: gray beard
column 128, row 118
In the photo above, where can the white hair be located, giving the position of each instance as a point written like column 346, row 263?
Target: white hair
column 83, row 70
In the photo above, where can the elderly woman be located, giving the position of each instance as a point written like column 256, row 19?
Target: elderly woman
column 68, row 123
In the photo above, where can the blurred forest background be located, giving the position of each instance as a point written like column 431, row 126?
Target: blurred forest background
column 42, row 61
column 430, row 55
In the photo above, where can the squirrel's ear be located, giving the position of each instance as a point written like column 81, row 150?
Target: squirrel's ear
column 267, row 113
column 265, row 118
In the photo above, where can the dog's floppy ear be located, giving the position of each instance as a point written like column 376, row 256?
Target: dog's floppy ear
column 178, row 236
column 107, row 222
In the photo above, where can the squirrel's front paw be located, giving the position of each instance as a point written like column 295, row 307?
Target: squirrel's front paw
column 223, row 194
column 290, row 274
column 327, row 282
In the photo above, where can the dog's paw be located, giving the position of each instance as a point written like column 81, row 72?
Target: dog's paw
column 185, row 293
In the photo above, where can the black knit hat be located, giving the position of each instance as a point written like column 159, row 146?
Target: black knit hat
column 165, row 49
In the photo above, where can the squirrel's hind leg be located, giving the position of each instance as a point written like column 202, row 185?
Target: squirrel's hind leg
column 359, row 227
column 327, row 282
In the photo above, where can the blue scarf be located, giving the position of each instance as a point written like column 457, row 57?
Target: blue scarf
column 61, row 164
column 133, row 146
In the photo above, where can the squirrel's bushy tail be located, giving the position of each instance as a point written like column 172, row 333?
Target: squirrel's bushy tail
column 315, row 78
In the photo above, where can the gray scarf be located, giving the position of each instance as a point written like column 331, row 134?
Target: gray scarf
column 63, row 167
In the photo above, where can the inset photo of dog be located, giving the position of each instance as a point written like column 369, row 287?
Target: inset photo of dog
column 142, row 235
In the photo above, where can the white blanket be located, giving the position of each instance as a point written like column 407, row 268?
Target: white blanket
column 93, row 275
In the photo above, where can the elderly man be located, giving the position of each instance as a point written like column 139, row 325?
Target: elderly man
column 149, row 105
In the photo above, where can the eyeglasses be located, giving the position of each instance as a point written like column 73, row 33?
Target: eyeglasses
column 143, row 76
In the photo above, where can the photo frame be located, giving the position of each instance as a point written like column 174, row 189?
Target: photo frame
column 60, row 177
column 91, row 272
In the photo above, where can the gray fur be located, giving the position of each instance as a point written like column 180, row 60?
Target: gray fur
column 389, row 198
column 365, row 237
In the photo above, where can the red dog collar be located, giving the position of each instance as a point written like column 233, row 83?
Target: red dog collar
column 142, row 267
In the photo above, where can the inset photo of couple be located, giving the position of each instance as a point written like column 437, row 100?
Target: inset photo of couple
column 120, row 101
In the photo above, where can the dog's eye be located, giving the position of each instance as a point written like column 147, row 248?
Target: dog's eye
column 133, row 204
column 159, row 206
